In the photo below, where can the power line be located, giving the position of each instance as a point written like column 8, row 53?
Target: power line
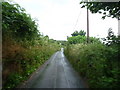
column 77, row 21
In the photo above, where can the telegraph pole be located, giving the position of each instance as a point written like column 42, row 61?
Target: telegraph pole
column 87, row 25
column 118, row 26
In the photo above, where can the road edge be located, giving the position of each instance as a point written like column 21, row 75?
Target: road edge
column 40, row 69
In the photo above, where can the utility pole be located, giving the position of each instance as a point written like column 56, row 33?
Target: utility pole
column 118, row 26
column 87, row 25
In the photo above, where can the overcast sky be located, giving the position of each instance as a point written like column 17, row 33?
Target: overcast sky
column 57, row 18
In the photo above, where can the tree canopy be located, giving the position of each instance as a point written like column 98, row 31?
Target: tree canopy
column 79, row 37
column 17, row 22
column 81, row 33
column 108, row 9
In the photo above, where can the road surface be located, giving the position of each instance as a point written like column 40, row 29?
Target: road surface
column 56, row 73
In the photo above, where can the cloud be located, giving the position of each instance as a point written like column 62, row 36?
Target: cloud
column 57, row 18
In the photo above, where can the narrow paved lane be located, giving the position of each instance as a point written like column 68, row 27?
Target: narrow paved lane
column 57, row 73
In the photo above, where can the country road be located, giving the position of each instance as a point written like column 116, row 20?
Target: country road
column 56, row 73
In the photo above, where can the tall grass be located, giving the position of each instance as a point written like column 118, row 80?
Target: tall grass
column 21, row 59
column 97, row 63
column 24, row 48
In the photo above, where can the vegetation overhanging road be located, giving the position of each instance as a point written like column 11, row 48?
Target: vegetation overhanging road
column 56, row 73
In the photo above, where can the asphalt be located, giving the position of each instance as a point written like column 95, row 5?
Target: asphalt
column 55, row 73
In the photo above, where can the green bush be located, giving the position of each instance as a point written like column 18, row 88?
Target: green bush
column 81, row 39
column 24, row 49
column 16, row 23
column 96, row 62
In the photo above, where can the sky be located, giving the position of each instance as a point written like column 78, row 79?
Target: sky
column 60, row 18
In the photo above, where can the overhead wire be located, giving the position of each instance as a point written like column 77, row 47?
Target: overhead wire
column 77, row 21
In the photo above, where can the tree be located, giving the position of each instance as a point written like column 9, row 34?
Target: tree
column 76, row 39
column 17, row 23
column 111, row 39
column 81, row 33
column 108, row 9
